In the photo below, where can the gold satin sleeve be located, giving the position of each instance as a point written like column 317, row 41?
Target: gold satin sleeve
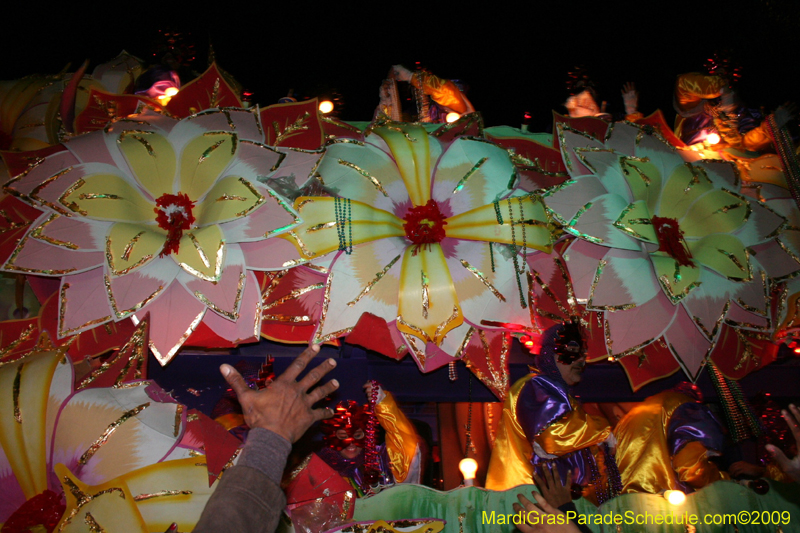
column 575, row 431
column 774, row 472
column 694, row 87
column 510, row 464
column 757, row 139
column 402, row 439
column 692, row 466
column 444, row 92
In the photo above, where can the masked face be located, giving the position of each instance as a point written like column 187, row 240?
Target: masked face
column 352, row 442
column 572, row 372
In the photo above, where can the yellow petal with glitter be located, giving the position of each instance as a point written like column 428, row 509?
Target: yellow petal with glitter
column 108, row 197
column 319, row 232
column 203, row 160
column 24, row 388
column 724, row 254
column 201, row 252
column 230, row 198
column 427, row 310
column 715, row 212
column 108, row 507
column 523, row 219
column 151, row 159
column 410, row 147
column 685, row 185
column 635, row 220
column 130, row 246
column 676, row 281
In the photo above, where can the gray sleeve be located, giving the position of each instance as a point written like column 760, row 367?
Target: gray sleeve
column 249, row 497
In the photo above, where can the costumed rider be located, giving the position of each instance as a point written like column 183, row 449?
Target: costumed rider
column 543, row 424
column 363, row 465
column 447, row 95
column 707, row 104
column 667, row 441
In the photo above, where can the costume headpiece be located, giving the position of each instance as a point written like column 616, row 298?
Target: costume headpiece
column 350, row 417
column 562, row 342
column 721, row 64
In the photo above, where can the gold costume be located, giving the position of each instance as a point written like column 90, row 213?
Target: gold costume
column 511, row 465
column 643, row 450
column 402, row 440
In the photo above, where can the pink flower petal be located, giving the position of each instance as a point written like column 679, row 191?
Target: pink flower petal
column 134, row 291
column 687, row 343
column 173, row 317
column 248, row 325
column 641, row 325
column 84, row 303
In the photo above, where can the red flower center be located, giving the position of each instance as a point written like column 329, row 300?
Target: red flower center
column 670, row 240
column 174, row 214
column 425, row 224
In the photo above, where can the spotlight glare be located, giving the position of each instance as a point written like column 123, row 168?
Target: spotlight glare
column 325, row 107
column 713, row 138
column 675, row 497
column 452, row 116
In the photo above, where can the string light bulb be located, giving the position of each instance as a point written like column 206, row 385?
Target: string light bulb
column 325, row 107
column 713, row 138
column 468, row 467
column 675, row 497
column 452, row 116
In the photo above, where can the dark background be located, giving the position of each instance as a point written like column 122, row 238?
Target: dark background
column 514, row 59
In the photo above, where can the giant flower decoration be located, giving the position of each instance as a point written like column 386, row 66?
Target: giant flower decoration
column 153, row 215
column 126, row 440
column 664, row 246
column 422, row 234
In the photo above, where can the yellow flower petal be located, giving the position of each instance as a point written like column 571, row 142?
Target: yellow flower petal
column 686, row 184
column 428, row 307
column 676, row 281
column 108, row 197
column 201, row 252
column 151, row 158
column 130, row 246
column 204, row 159
column 319, row 235
column 483, row 223
column 724, row 254
column 410, row 147
column 230, row 198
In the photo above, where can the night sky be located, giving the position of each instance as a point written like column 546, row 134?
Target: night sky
column 514, row 60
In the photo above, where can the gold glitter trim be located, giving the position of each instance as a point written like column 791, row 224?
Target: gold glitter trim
column 134, row 350
column 94, row 527
column 305, row 251
column 469, row 174
column 293, row 295
column 497, row 378
column 161, row 493
column 132, row 384
column 249, row 186
column 675, row 298
column 425, row 294
column 713, row 333
column 424, row 336
column 217, row 265
column 334, row 335
column 300, row 467
column 372, row 283
column 286, row 207
column 324, row 225
column 62, row 311
column 15, row 393
column 200, row 251
column 81, row 499
column 103, row 438
column 178, row 413
column 34, row 194
column 482, row 278
column 372, row 179
column 165, row 358
column 598, row 273
column 438, row 333
column 410, row 343
column 24, row 336
column 120, row 314
column 11, row 267
column 348, row 500
column 230, row 315
column 465, row 342
column 292, row 129
column 126, row 253
column 127, row 250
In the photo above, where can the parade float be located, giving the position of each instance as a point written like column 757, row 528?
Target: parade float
column 140, row 230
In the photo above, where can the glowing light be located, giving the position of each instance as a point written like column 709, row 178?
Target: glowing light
column 325, row 107
column 468, row 467
column 611, row 358
column 452, row 116
column 712, row 138
column 797, row 350
column 170, row 92
column 675, row 497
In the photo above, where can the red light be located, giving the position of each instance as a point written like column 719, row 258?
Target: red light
column 797, row 350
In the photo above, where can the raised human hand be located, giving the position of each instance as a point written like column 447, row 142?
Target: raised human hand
column 551, row 488
column 286, row 406
column 630, row 96
column 537, row 516
column 790, row 466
